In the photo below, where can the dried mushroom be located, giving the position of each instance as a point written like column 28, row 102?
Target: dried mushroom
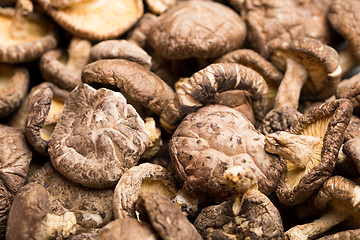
column 15, row 157
column 206, row 86
column 64, row 69
column 248, row 215
column 14, row 84
column 201, row 29
column 350, row 89
column 146, row 177
column 338, row 198
column 352, row 149
column 46, row 102
column 159, row 6
column 89, row 235
column 216, row 138
column 51, row 206
column 97, row 19
column 309, row 149
column 349, row 234
column 165, row 217
column 141, row 30
column 98, row 137
column 25, row 35
column 353, row 129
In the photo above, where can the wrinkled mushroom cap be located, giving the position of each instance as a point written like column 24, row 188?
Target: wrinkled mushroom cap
column 353, row 129
column 202, row 29
column 352, row 149
column 98, row 137
column 98, row 19
column 350, row 89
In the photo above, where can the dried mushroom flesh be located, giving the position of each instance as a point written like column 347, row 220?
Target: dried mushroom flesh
column 146, row 177
column 352, row 150
column 353, row 129
column 205, row 86
column 350, row 89
column 14, row 84
column 96, row 20
column 64, row 69
column 202, row 29
column 213, row 139
column 15, row 157
column 98, row 137
column 24, row 37
column 165, row 217
column 309, row 149
column 46, row 102
column 51, row 206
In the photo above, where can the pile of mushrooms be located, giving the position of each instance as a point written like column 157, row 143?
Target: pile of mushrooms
column 166, row 119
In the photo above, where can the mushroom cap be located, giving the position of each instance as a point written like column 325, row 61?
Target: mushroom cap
column 130, row 185
column 165, row 217
column 328, row 122
column 202, row 29
column 122, row 49
column 98, row 137
column 139, row 33
column 213, row 139
column 320, row 60
column 42, row 37
column 351, row 149
column 350, row 89
column 203, row 86
column 133, row 81
column 96, row 20
column 40, row 100
column 15, row 157
column 353, row 129
column 14, row 84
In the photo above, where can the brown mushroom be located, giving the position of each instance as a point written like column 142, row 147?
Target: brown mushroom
column 141, row 30
column 352, row 150
column 25, row 35
column 64, row 69
column 353, row 129
column 89, row 235
column 98, row 137
column 46, row 102
column 146, row 177
column 14, row 84
column 95, row 20
column 159, row 6
column 248, row 215
column 349, row 234
column 350, row 89
column 205, row 86
column 165, row 217
column 309, row 149
column 202, row 29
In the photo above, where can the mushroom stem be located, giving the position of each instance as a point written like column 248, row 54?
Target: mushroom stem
column 79, row 52
column 288, row 94
column 347, row 60
column 187, row 201
column 18, row 28
column 317, row 227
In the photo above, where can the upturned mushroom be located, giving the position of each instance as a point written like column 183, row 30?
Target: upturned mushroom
column 309, row 149
column 64, row 68
column 98, row 137
column 247, row 215
column 25, row 35
column 206, row 86
column 97, row 19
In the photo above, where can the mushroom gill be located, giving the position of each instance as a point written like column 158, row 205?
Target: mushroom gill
column 52, row 118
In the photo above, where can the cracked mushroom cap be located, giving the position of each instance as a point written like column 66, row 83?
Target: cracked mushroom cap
column 146, row 177
column 52, row 206
column 15, row 157
column 24, row 38
column 213, row 139
column 95, row 20
column 204, row 87
column 165, row 217
column 122, row 49
column 309, row 149
column 350, row 89
column 14, row 84
column 46, row 102
column 136, row 83
column 201, row 29
column 64, row 68
column 98, row 137
column 320, row 61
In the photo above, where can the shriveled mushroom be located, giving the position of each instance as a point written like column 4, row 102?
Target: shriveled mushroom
column 202, row 29
column 146, row 177
column 64, row 69
column 97, row 19
column 206, row 86
column 353, row 129
column 309, row 149
column 350, row 89
column 46, row 102
column 352, row 150
column 25, row 35
column 98, row 137
column 51, row 206
column 248, row 215
column 14, row 84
